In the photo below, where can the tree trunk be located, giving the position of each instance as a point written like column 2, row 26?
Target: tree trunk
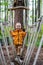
column 18, row 17
column 18, row 12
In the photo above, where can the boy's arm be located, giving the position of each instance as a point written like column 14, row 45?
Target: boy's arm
column 12, row 33
column 24, row 34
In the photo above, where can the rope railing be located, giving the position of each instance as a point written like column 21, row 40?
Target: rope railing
column 5, row 43
column 2, row 56
column 11, row 41
column 38, row 51
column 35, row 41
column 28, row 49
column 31, row 47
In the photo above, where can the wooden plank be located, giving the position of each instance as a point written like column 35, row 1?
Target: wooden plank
column 18, row 7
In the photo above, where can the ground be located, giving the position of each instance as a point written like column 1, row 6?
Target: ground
column 40, row 59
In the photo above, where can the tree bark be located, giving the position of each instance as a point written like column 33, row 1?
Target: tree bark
column 19, row 13
column 18, row 17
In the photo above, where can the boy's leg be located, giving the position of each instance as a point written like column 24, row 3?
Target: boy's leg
column 19, row 50
column 16, row 49
column 17, row 59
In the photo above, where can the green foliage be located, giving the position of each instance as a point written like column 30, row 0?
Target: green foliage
column 42, row 28
column 39, row 36
column 4, row 3
column 1, row 20
column 0, row 35
column 40, row 2
column 6, row 32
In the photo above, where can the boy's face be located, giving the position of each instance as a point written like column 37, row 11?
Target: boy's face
column 18, row 26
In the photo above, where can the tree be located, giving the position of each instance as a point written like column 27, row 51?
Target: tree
column 18, row 12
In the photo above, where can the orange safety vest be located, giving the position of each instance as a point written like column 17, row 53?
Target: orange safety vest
column 18, row 36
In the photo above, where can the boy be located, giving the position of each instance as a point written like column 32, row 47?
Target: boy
column 18, row 36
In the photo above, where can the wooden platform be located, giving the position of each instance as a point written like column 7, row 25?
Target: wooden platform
column 18, row 7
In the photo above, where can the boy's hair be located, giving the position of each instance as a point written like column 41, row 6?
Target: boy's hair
column 18, row 23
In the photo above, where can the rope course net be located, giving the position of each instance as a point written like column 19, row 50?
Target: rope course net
column 32, row 39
